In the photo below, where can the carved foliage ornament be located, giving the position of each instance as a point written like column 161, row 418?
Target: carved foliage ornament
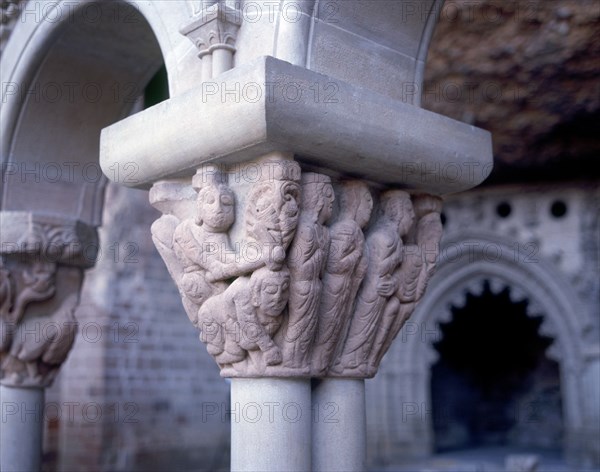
column 291, row 275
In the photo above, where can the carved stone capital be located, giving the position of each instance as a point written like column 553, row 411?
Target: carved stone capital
column 214, row 27
column 48, row 239
column 290, row 274
column 41, row 265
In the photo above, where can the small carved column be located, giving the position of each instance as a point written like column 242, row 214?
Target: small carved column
column 41, row 270
column 289, row 276
column 213, row 30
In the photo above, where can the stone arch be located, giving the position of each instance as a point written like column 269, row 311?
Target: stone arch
column 70, row 69
column 466, row 262
column 83, row 65
column 297, row 38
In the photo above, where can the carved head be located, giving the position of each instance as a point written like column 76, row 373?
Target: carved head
column 424, row 204
column 195, row 287
column 272, row 212
column 428, row 231
column 215, row 205
column 270, row 290
column 397, row 208
column 357, row 202
column 317, row 195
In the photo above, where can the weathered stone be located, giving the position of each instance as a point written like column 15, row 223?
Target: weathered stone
column 525, row 72
column 271, row 282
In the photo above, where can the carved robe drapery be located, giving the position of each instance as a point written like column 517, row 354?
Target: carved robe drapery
column 277, row 274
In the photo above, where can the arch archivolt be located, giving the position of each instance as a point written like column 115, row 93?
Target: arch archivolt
column 467, row 262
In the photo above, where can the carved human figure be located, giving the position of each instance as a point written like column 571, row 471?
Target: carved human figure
column 177, row 201
column 201, row 243
column 420, row 256
column 397, row 309
column 35, row 284
column 428, row 209
column 345, row 269
column 35, row 360
column 306, row 261
column 244, row 318
column 384, row 246
column 273, row 209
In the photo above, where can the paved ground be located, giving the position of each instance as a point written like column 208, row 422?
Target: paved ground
column 481, row 460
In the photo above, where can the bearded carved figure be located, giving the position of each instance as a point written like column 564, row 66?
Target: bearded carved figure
column 273, row 209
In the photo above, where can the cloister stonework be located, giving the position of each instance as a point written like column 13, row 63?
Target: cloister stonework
column 300, row 190
column 289, row 295
column 284, row 216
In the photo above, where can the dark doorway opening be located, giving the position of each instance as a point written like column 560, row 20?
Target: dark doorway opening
column 493, row 385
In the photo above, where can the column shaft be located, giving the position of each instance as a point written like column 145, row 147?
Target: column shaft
column 21, row 428
column 222, row 61
column 339, row 426
column 270, row 425
column 207, row 67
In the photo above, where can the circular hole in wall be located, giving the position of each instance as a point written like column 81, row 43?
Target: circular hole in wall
column 503, row 210
column 558, row 209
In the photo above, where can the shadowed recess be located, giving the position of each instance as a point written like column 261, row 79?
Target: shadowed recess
column 493, row 384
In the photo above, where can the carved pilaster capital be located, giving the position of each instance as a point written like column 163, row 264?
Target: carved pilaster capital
column 290, row 274
column 214, row 27
column 48, row 239
column 37, row 322
column 41, row 265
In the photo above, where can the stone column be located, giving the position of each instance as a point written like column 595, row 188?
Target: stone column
column 276, row 273
column 300, row 217
column 339, row 426
column 22, row 428
column 213, row 30
column 40, row 276
column 267, row 416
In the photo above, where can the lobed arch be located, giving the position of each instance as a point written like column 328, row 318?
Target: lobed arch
column 466, row 262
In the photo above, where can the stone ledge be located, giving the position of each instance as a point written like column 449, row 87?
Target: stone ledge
column 271, row 105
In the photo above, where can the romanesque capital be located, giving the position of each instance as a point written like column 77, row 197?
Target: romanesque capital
column 290, row 273
column 41, row 267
